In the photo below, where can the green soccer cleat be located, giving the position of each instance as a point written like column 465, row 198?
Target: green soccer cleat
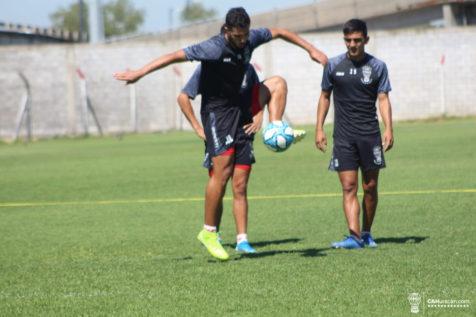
column 299, row 135
column 210, row 241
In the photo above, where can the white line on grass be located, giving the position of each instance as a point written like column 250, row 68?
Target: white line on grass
column 192, row 199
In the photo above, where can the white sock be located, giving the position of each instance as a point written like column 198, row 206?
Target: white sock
column 210, row 228
column 241, row 237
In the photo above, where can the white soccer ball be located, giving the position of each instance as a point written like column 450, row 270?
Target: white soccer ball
column 278, row 136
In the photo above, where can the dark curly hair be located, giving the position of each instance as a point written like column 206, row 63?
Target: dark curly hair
column 355, row 25
column 237, row 17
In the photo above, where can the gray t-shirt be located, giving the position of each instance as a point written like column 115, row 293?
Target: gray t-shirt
column 355, row 86
column 223, row 68
column 192, row 89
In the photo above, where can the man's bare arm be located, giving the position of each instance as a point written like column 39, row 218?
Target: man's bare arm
column 131, row 76
column 295, row 39
column 186, row 107
column 322, row 109
column 386, row 114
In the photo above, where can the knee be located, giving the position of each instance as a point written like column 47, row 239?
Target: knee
column 278, row 83
column 349, row 188
column 222, row 176
column 370, row 188
column 239, row 189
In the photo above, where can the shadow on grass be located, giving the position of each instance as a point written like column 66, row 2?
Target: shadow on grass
column 266, row 243
column 401, row 240
column 311, row 252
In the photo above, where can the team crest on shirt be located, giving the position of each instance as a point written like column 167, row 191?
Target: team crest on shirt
column 366, row 73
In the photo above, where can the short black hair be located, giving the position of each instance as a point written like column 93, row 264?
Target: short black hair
column 237, row 17
column 355, row 25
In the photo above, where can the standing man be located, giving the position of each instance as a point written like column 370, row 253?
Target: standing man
column 357, row 80
column 224, row 59
column 254, row 95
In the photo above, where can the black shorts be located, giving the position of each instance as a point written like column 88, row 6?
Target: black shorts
column 350, row 154
column 224, row 131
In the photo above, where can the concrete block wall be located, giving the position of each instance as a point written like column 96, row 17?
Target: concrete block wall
column 422, row 86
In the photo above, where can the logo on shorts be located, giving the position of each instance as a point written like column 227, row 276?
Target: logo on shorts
column 377, row 155
column 336, row 163
column 216, row 142
column 366, row 72
column 228, row 139
column 243, row 84
column 205, row 160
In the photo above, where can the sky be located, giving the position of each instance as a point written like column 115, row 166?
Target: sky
column 157, row 12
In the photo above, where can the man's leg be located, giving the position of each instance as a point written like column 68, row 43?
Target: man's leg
column 240, row 199
column 370, row 200
column 274, row 92
column 372, row 160
column 222, row 170
column 349, row 182
column 219, row 212
column 369, row 204
column 241, row 176
column 244, row 159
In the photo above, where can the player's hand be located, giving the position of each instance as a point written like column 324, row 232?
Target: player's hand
column 129, row 76
column 251, row 128
column 321, row 140
column 201, row 133
column 387, row 140
column 318, row 56
column 254, row 127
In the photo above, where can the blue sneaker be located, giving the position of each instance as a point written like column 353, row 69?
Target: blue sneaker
column 368, row 240
column 350, row 242
column 245, row 247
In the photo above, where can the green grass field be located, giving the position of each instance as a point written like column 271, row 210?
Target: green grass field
column 108, row 227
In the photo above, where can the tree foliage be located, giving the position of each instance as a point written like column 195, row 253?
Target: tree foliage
column 69, row 18
column 120, row 17
column 195, row 11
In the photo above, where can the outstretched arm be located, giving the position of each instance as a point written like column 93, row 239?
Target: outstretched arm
column 186, row 107
column 295, row 39
column 322, row 109
column 131, row 76
column 386, row 114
